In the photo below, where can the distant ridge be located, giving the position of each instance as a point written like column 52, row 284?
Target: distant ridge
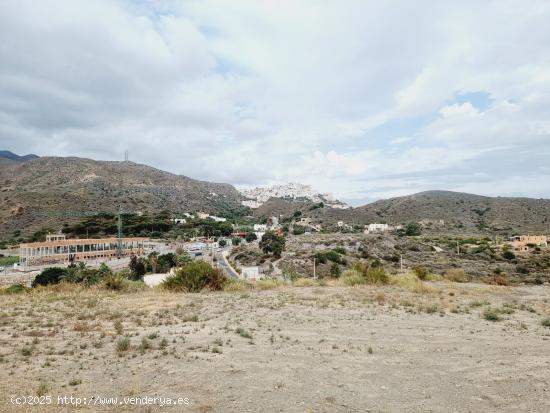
column 460, row 213
column 464, row 212
column 14, row 157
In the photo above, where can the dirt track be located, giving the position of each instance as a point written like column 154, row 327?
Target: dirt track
column 319, row 349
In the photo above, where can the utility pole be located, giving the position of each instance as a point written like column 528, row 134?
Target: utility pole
column 314, row 273
column 119, row 232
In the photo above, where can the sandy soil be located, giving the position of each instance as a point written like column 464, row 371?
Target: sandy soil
column 314, row 349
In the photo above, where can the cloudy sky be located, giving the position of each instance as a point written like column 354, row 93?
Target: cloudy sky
column 366, row 99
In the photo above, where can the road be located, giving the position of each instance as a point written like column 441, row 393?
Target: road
column 222, row 264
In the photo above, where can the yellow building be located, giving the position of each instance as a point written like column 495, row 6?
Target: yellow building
column 57, row 249
column 523, row 242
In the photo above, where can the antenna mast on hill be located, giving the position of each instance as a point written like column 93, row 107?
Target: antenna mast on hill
column 126, row 156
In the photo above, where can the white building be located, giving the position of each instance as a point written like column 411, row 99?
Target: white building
column 217, row 219
column 260, row 227
column 250, row 273
column 340, row 224
column 378, row 227
column 179, row 220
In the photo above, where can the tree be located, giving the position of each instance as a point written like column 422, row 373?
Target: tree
column 509, row 255
column 183, row 258
column 166, row 261
column 251, row 236
column 235, row 241
column 137, row 267
column 298, row 230
column 271, row 243
column 413, row 229
column 49, row 276
column 222, row 243
column 153, row 260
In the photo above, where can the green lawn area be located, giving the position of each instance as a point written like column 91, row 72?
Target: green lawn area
column 5, row 261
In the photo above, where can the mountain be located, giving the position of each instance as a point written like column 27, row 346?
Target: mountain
column 461, row 211
column 292, row 191
column 50, row 191
column 439, row 211
column 7, row 157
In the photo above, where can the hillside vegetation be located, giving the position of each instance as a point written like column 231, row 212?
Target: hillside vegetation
column 49, row 192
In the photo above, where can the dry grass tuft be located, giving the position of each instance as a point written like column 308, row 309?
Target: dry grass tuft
column 268, row 284
column 457, row 275
column 304, row 282
column 409, row 281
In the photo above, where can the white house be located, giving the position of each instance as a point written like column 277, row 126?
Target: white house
column 378, row 227
column 260, row 227
column 217, row 219
column 340, row 224
column 179, row 220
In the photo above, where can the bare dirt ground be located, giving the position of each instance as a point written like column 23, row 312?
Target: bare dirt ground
column 314, row 349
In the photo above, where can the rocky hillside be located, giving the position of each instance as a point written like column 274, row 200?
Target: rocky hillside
column 471, row 213
column 460, row 212
column 50, row 191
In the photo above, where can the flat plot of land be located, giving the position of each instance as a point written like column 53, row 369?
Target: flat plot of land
column 319, row 349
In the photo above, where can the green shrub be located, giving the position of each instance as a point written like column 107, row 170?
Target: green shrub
column 50, row 276
column 340, row 250
column 123, row 344
column 491, row 315
column 522, row 269
column 413, row 229
column 323, row 256
column 509, row 255
column 335, row 270
column 15, row 289
column 80, row 274
column 377, row 275
column 195, row 276
column 420, row 271
column 298, row 230
column 243, row 332
column 352, row 277
column 114, row 282
column 545, row 322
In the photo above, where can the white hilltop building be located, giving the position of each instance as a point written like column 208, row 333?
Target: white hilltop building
column 258, row 196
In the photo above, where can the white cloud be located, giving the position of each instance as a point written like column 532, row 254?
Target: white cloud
column 255, row 92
